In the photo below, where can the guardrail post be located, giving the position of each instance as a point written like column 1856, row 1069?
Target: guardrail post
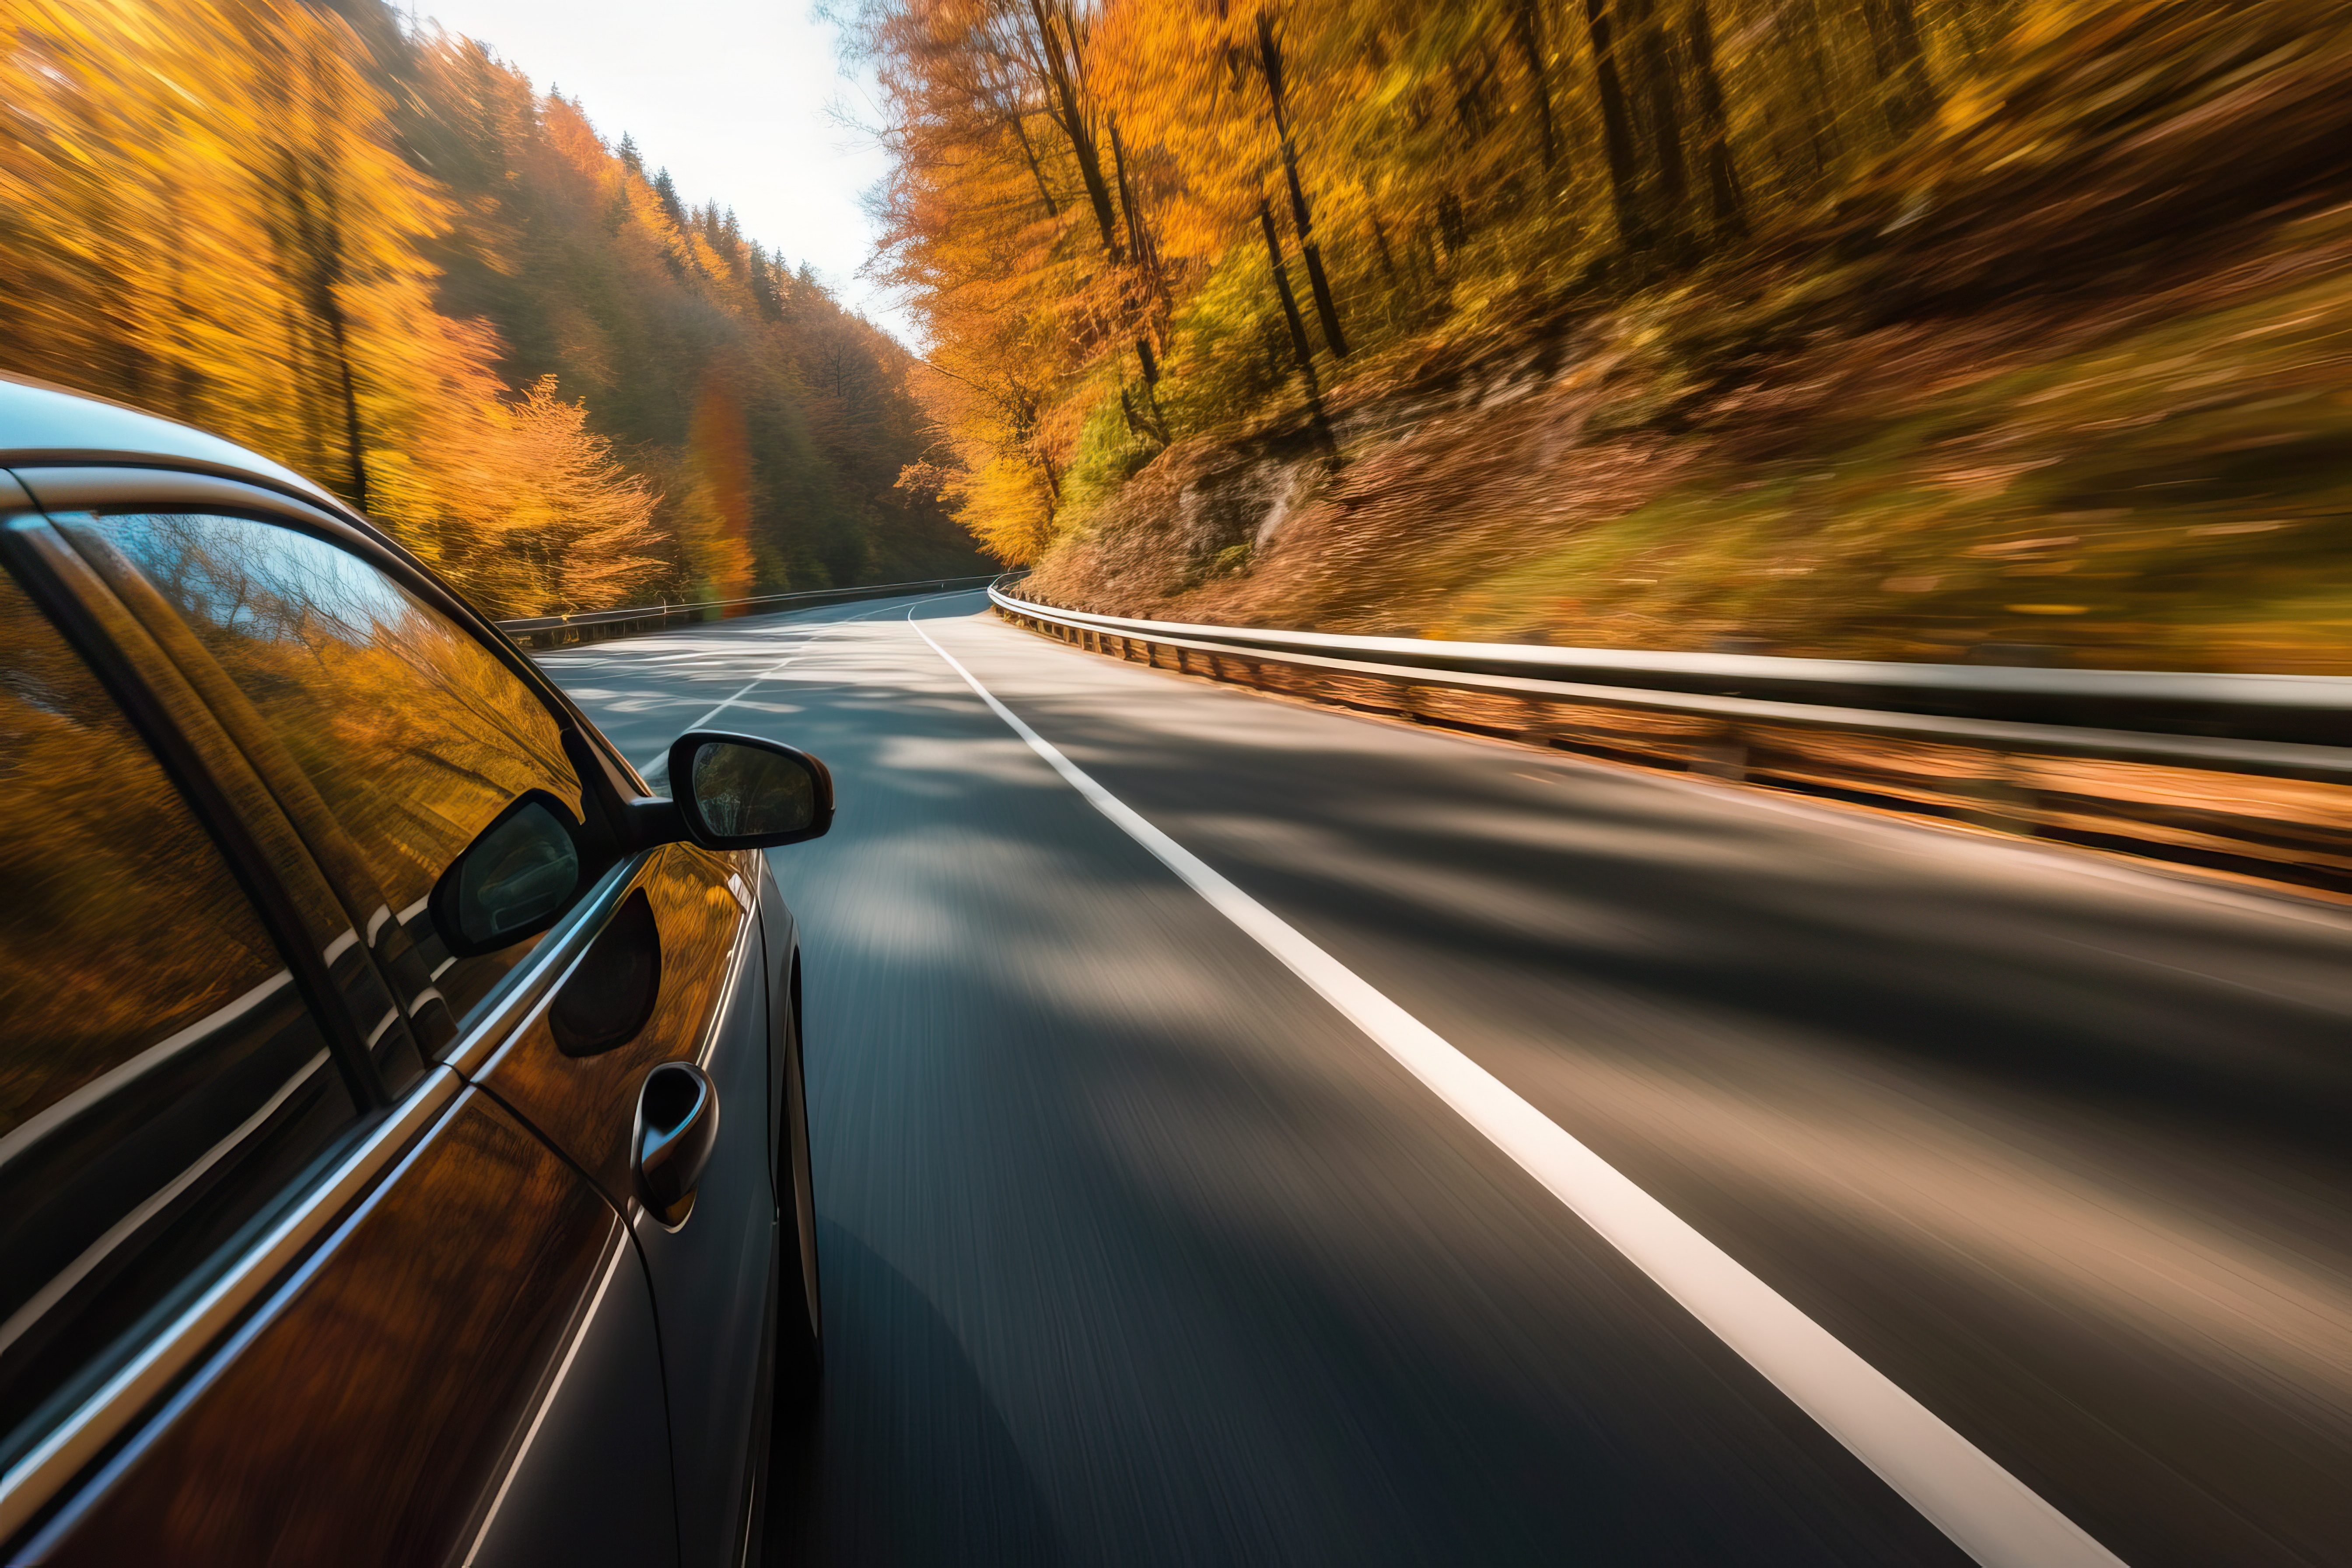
column 2001, row 801
column 2279, row 808
column 1724, row 757
column 1537, row 728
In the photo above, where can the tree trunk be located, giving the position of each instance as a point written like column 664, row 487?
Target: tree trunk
column 1137, row 243
column 1809, row 74
column 1662, row 108
column 1524, row 28
column 186, row 379
column 330, row 274
column 1327, row 310
column 297, row 253
column 1724, row 209
column 1139, row 233
column 1380, row 243
column 1617, row 128
column 1895, row 49
column 1073, row 122
column 1301, row 349
column 1038, row 172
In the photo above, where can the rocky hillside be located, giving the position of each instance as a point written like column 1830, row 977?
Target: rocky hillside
column 2067, row 380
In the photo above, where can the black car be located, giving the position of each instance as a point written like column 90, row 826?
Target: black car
column 402, row 1150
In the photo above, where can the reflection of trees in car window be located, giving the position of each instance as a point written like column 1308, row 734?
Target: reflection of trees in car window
column 122, row 924
column 413, row 734
column 163, row 1081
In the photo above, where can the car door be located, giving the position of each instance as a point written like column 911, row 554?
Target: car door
column 257, row 1303
column 712, row 1266
column 398, row 736
column 275, row 1289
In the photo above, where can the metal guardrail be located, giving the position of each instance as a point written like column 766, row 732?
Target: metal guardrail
column 547, row 630
column 2250, row 774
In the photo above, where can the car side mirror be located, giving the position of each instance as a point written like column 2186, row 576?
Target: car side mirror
column 737, row 792
column 514, row 880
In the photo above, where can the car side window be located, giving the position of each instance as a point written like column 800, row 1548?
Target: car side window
column 162, row 1082
column 413, row 734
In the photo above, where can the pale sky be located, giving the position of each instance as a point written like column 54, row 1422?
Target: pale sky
column 730, row 96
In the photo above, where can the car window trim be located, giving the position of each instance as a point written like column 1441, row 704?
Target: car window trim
column 99, row 1250
column 98, row 625
column 62, row 1453
column 112, row 458
column 123, row 1075
column 51, row 1465
column 155, row 487
column 105, row 492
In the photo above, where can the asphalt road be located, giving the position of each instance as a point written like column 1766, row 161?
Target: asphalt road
column 1137, row 1251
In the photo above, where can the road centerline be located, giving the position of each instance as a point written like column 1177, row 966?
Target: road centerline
column 653, row 768
column 1984, row 1510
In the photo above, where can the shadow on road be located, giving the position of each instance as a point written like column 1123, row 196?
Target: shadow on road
column 904, row 1460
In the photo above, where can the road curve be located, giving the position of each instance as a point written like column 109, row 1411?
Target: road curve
column 1136, row 1250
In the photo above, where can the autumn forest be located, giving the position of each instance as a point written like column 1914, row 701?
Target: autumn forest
column 1895, row 328
column 382, row 259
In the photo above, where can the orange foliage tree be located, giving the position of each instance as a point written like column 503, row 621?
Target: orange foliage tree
column 1129, row 222
column 382, row 260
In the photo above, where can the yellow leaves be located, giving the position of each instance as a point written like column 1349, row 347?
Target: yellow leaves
column 522, row 504
column 1008, row 506
column 717, row 513
column 209, row 216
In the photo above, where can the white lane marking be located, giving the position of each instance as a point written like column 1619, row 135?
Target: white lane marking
column 652, row 768
column 730, row 702
column 1988, row 1514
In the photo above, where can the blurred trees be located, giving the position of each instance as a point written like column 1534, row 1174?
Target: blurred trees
column 1126, row 221
column 1922, row 330
column 388, row 263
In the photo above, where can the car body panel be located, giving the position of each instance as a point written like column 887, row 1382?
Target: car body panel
column 710, row 1272
column 373, row 1411
column 494, row 1353
column 42, row 424
column 790, row 1159
column 722, row 1257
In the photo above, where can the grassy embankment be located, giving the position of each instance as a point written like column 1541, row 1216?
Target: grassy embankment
column 2068, row 381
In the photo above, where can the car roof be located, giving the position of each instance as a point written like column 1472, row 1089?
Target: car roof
column 46, row 425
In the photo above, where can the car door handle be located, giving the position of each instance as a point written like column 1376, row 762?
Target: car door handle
column 677, row 1129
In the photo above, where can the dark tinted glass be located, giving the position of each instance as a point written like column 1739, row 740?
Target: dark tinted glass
column 162, row 1082
column 514, row 879
column 413, row 732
